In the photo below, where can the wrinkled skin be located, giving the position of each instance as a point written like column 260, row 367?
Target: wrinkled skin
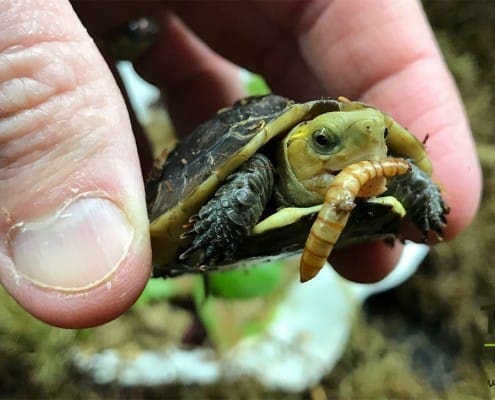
column 66, row 133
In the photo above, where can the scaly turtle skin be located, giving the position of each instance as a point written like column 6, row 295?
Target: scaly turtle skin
column 248, row 183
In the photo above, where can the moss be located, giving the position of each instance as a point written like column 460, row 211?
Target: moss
column 34, row 357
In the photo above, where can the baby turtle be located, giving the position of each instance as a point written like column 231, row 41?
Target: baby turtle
column 249, row 184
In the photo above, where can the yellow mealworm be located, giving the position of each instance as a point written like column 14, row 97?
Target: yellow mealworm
column 337, row 206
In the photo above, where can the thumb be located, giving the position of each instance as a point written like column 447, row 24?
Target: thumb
column 74, row 248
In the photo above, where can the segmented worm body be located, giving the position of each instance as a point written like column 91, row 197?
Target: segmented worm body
column 337, row 207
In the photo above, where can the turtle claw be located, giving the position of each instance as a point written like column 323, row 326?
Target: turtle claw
column 435, row 212
column 429, row 217
column 194, row 251
column 187, row 253
column 194, row 218
column 422, row 200
column 190, row 232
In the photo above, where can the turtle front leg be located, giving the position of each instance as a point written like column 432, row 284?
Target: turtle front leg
column 421, row 199
column 223, row 222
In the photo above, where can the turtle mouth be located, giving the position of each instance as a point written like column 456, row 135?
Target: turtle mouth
column 321, row 181
column 327, row 174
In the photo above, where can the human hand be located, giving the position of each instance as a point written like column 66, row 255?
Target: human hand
column 68, row 143
column 380, row 52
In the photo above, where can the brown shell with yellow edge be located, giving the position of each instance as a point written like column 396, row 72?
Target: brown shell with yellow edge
column 199, row 164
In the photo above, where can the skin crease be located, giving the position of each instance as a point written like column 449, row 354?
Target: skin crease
column 383, row 53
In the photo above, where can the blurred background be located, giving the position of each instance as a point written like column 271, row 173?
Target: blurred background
column 422, row 339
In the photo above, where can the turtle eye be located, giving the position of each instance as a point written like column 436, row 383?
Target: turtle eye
column 324, row 141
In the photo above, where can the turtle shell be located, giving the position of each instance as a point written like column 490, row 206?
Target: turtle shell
column 198, row 165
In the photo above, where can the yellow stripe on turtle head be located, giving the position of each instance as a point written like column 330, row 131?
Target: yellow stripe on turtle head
column 402, row 143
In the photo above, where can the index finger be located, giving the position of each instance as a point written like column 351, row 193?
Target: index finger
column 385, row 54
column 382, row 52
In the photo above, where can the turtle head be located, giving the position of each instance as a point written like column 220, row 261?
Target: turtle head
column 316, row 150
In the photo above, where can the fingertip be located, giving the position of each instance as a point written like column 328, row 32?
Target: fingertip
column 461, row 183
column 80, row 266
column 88, row 307
column 366, row 262
column 74, row 248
